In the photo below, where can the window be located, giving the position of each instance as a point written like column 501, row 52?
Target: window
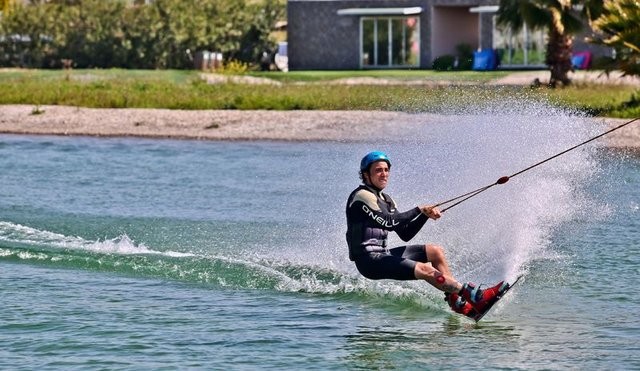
column 524, row 48
column 389, row 42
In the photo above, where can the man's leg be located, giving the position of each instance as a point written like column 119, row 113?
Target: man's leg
column 436, row 272
column 436, row 256
column 465, row 299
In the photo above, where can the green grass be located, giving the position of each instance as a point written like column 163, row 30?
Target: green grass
column 398, row 75
column 600, row 100
column 309, row 90
column 199, row 95
column 176, row 76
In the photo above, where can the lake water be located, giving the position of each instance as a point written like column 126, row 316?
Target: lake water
column 162, row 254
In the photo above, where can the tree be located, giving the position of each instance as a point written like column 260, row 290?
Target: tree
column 26, row 40
column 90, row 33
column 560, row 19
column 5, row 6
column 256, row 38
column 161, row 34
column 619, row 28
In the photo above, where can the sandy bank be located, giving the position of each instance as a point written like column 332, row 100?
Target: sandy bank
column 234, row 125
column 204, row 124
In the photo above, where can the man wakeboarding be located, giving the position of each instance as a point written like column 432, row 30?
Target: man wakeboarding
column 371, row 214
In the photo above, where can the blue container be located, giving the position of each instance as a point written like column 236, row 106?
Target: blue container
column 485, row 60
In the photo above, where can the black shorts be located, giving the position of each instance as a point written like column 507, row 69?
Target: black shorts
column 397, row 264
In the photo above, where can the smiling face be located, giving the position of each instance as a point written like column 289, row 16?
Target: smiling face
column 378, row 174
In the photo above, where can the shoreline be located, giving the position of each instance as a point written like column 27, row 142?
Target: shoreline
column 200, row 124
column 235, row 125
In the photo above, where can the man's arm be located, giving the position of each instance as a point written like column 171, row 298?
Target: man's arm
column 409, row 230
column 412, row 228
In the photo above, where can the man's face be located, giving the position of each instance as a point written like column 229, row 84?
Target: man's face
column 378, row 174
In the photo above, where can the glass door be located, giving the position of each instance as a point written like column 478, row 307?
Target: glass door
column 389, row 42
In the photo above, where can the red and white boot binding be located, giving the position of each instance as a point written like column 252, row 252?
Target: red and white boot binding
column 483, row 299
column 459, row 305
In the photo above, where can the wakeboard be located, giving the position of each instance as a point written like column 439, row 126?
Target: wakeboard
column 479, row 316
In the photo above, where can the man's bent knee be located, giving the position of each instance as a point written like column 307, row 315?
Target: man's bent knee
column 425, row 271
column 436, row 278
column 434, row 252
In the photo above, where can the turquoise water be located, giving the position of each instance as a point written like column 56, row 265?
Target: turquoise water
column 138, row 254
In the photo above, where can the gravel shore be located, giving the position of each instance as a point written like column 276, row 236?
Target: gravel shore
column 235, row 125
column 203, row 124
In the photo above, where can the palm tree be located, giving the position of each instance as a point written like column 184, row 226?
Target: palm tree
column 560, row 19
column 619, row 28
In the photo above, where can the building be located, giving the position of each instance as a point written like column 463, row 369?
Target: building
column 369, row 34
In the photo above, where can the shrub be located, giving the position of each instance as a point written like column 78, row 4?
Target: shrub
column 233, row 67
column 444, row 63
column 465, row 57
column 98, row 33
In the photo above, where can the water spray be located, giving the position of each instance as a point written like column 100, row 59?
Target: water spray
column 502, row 180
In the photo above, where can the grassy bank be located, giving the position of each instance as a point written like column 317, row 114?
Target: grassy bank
column 411, row 91
column 399, row 76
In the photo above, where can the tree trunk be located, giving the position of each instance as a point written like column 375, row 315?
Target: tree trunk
column 558, row 58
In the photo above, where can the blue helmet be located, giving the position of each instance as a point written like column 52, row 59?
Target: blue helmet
column 372, row 157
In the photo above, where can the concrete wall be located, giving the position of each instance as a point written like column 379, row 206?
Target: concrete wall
column 452, row 26
column 319, row 38
column 486, row 31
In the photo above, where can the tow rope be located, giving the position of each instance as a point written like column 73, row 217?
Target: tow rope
column 504, row 179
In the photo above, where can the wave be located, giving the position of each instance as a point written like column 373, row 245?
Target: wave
column 27, row 236
column 24, row 244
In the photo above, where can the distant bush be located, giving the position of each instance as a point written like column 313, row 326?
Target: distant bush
column 465, row 57
column 163, row 34
column 233, row 67
column 462, row 61
column 444, row 63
